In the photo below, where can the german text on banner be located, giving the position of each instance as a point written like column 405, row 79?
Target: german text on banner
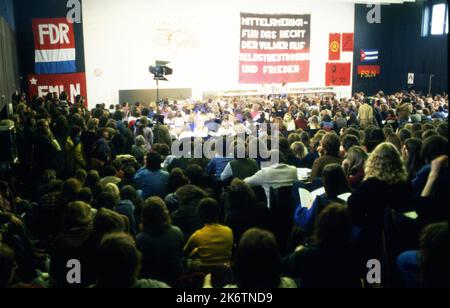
column 54, row 42
column 274, row 48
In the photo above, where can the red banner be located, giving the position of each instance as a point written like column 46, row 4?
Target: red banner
column 338, row 74
column 334, row 49
column 53, row 33
column 347, row 42
column 368, row 71
column 274, row 48
column 72, row 84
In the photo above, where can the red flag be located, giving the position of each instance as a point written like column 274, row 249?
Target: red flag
column 338, row 74
column 72, row 84
column 335, row 46
column 368, row 71
column 347, row 42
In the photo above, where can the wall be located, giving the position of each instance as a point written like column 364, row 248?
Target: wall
column 122, row 40
column 402, row 50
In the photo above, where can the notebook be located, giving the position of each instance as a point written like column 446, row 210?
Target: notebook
column 303, row 173
column 307, row 198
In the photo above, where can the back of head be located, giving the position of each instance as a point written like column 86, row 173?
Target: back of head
column 85, row 195
column 355, row 159
column 404, row 134
column 106, row 200
column 128, row 193
column 154, row 161
column 433, row 147
column 257, row 262
column 209, row 211
column 334, row 226
column 395, row 140
column 330, row 144
column 155, row 216
column 349, row 141
column 105, row 222
column 373, row 137
column 386, row 165
column 195, row 174
column 117, row 261
column 77, row 215
column 334, row 180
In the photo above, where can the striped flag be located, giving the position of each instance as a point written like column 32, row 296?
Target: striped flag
column 54, row 42
column 369, row 55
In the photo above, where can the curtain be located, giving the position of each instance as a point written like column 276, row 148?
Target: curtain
column 9, row 66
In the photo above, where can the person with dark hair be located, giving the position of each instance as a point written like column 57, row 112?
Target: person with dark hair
column 177, row 179
column 372, row 137
column 411, row 153
column 77, row 227
column 85, row 195
column 102, row 150
column 331, row 262
column 151, row 179
column 126, row 207
column 242, row 209
column 185, row 213
column 106, row 200
column 257, row 263
column 404, row 135
column 212, row 244
column 349, row 141
column 143, row 129
column 160, row 243
column 128, row 175
column 335, row 184
column 432, row 148
column 118, row 264
column 161, row 132
column 329, row 154
column 427, row 267
column 47, row 150
column 109, row 176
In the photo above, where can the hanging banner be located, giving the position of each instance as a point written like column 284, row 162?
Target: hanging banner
column 54, row 42
column 72, row 84
column 334, row 47
column 368, row 71
column 338, row 74
column 274, row 48
column 347, row 42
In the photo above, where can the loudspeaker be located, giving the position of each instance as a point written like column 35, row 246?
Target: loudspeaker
column 8, row 146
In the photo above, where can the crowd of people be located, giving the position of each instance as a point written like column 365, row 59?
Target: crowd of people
column 105, row 187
